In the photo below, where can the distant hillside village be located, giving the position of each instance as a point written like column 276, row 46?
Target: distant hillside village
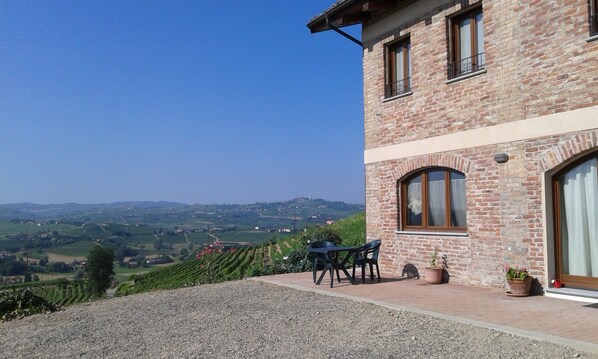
column 54, row 240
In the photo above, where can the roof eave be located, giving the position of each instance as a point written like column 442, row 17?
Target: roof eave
column 337, row 14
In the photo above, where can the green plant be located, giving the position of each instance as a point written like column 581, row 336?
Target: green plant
column 21, row 303
column 434, row 257
column 351, row 230
column 434, row 260
column 516, row 272
column 254, row 270
column 313, row 234
column 296, row 261
column 122, row 289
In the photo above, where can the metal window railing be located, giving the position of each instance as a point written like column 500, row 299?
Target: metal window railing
column 594, row 24
column 398, row 88
column 466, row 66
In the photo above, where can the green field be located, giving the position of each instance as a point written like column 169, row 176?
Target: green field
column 7, row 227
column 122, row 274
column 77, row 249
column 6, row 244
column 248, row 236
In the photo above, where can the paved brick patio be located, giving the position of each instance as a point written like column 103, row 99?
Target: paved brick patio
column 556, row 320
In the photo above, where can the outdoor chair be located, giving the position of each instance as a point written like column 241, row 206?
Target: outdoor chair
column 320, row 259
column 367, row 254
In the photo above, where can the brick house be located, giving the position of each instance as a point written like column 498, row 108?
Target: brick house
column 481, row 135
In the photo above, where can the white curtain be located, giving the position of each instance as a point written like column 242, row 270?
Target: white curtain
column 408, row 75
column 579, row 224
column 465, row 45
column 437, row 199
column 402, row 55
column 458, row 212
column 399, row 65
column 414, row 204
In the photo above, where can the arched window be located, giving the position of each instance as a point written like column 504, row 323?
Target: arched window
column 434, row 199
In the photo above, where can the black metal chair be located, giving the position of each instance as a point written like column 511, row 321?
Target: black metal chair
column 322, row 260
column 367, row 254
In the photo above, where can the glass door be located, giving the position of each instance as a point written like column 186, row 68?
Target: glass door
column 576, row 223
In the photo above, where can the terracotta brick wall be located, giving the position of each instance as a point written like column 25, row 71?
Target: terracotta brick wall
column 538, row 62
column 504, row 208
column 537, row 58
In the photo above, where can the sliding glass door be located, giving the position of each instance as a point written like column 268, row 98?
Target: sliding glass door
column 576, row 223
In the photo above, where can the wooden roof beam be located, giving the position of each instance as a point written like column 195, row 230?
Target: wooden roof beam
column 378, row 5
column 351, row 19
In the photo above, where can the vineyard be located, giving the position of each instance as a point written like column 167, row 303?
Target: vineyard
column 287, row 255
column 224, row 264
column 244, row 262
column 60, row 292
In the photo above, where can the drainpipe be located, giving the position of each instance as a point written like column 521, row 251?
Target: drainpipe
column 336, row 29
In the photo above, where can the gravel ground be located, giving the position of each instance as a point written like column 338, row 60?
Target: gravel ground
column 248, row 319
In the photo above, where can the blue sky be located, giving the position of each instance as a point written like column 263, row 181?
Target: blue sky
column 189, row 101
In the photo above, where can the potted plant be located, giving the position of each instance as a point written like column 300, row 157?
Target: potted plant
column 433, row 273
column 519, row 279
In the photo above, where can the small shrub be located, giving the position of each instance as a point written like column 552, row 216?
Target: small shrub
column 314, row 234
column 351, row 230
column 296, row 261
column 122, row 290
column 18, row 304
column 254, row 270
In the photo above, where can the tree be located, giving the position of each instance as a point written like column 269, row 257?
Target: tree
column 99, row 269
column 183, row 253
column 79, row 275
column 158, row 244
column 43, row 261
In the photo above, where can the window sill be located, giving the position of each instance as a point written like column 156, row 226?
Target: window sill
column 592, row 38
column 404, row 94
column 463, row 77
column 434, row 233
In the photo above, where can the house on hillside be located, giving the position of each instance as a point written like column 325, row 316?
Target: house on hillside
column 481, row 135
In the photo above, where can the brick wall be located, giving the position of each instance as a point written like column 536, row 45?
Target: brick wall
column 504, row 208
column 538, row 62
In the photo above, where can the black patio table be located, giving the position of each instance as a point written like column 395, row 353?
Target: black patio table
column 332, row 254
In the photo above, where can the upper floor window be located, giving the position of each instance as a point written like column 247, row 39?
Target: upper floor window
column 466, row 43
column 593, row 17
column 434, row 199
column 398, row 68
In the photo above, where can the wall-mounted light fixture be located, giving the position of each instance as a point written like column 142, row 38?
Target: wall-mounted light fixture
column 501, row 157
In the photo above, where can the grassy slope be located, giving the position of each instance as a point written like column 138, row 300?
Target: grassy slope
column 351, row 229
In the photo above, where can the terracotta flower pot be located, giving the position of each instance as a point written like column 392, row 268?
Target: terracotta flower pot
column 519, row 287
column 433, row 275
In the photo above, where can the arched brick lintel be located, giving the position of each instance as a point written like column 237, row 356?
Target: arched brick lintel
column 447, row 160
column 578, row 144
